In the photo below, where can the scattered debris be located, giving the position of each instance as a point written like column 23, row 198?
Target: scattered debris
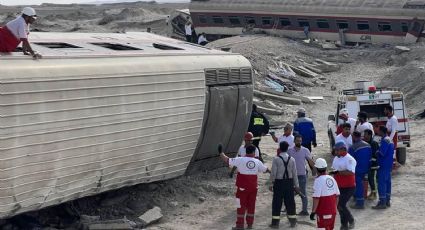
column 151, row 216
column 329, row 46
column 201, row 198
column 286, row 100
column 401, row 49
column 315, row 98
column 284, row 94
column 270, row 111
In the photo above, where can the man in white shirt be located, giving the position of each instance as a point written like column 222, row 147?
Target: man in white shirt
column 246, row 183
column 16, row 31
column 286, row 136
column 362, row 124
column 345, row 136
column 202, row 40
column 392, row 124
column 188, row 30
column 344, row 118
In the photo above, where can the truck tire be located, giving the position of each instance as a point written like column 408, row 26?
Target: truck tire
column 401, row 155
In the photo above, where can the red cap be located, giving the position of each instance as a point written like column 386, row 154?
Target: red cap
column 248, row 136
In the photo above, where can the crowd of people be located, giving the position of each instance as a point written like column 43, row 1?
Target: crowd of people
column 362, row 154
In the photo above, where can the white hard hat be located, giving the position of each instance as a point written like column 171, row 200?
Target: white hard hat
column 343, row 111
column 301, row 110
column 29, row 11
column 320, row 163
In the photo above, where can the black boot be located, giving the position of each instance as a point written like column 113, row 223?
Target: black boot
column 388, row 203
column 274, row 224
column 293, row 222
column 381, row 205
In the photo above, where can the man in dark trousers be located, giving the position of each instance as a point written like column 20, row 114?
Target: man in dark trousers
column 385, row 163
column 344, row 165
column 247, row 184
column 259, row 126
column 368, row 137
column 304, row 127
column 284, row 182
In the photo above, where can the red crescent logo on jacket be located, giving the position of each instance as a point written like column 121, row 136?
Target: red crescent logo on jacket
column 250, row 164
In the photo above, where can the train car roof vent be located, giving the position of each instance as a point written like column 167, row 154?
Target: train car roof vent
column 57, row 45
column 165, row 47
column 114, row 46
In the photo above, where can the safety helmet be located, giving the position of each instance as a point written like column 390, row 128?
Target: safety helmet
column 29, row 11
column 248, row 136
column 343, row 111
column 320, row 163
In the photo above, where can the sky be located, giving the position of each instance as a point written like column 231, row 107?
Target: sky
column 36, row 2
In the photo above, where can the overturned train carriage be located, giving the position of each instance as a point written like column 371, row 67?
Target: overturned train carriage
column 104, row 111
column 351, row 21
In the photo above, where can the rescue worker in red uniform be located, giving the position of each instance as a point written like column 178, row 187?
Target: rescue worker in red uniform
column 16, row 31
column 242, row 150
column 284, row 181
column 325, row 197
column 246, row 183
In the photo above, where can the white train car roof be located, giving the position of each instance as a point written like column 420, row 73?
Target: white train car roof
column 374, row 8
column 66, row 45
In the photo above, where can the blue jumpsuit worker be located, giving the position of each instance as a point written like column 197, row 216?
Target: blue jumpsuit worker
column 259, row 126
column 385, row 163
column 304, row 127
column 362, row 153
column 368, row 137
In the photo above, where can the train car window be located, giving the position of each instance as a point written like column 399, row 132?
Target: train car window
column 303, row 23
column 56, row 45
column 342, row 24
column 165, row 47
column 250, row 20
column 404, row 27
column 363, row 25
column 267, row 21
column 384, row 26
column 114, row 46
column 285, row 21
column 234, row 20
column 217, row 19
column 202, row 19
column 323, row 24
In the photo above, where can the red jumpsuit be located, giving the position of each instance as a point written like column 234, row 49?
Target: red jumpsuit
column 8, row 41
column 246, row 183
column 326, row 190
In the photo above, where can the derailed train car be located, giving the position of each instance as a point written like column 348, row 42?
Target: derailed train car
column 365, row 21
column 104, row 111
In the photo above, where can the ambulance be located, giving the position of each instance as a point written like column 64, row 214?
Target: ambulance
column 372, row 100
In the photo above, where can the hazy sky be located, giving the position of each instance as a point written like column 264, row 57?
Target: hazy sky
column 34, row 2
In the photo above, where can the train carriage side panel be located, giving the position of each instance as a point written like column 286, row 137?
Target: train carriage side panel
column 74, row 127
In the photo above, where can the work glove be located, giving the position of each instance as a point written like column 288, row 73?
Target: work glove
column 314, row 144
column 220, row 148
column 272, row 133
column 312, row 216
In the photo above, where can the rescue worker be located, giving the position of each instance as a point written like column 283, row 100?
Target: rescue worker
column 345, row 136
column 362, row 124
column 242, row 150
column 385, row 163
column 301, row 154
column 16, row 31
column 246, row 183
column 344, row 165
column 392, row 124
column 362, row 153
column 325, row 197
column 344, row 118
column 304, row 126
column 368, row 137
column 284, row 182
column 259, row 126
